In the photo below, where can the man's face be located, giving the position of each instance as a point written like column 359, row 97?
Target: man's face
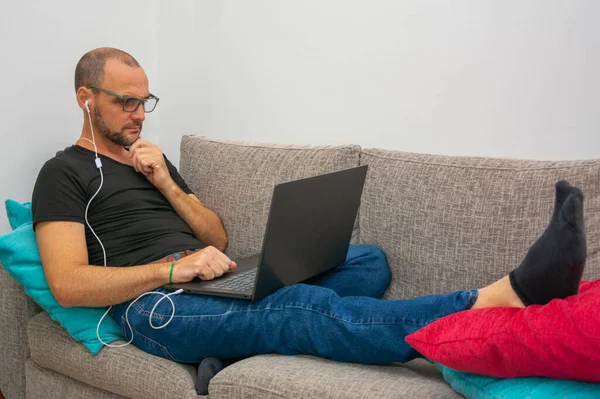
column 120, row 127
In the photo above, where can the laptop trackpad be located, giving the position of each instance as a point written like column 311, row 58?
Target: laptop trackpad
column 246, row 263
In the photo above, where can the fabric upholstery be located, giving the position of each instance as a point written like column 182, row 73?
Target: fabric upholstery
column 12, row 371
column 276, row 376
column 127, row 371
column 558, row 340
column 474, row 386
column 449, row 223
column 47, row 384
column 16, row 309
column 236, row 180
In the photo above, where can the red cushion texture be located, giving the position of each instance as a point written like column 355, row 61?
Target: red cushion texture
column 557, row 340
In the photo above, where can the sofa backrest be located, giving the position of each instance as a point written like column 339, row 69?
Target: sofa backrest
column 449, row 223
column 445, row 223
column 236, row 180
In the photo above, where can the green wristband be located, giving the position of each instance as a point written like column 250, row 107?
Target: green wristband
column 171, row 274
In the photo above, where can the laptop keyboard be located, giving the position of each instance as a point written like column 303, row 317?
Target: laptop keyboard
column 238, row 282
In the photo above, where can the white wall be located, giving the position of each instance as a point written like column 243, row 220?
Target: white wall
column 41, row 42
column 478, row 77
column 495, row 78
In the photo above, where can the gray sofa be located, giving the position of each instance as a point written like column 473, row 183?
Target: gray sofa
column 445, row 223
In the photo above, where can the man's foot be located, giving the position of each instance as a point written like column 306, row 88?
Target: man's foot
column 207, row 369
column 499, row 294
column 554, row 264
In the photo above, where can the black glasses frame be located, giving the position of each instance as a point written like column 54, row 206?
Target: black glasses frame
column 124, row 99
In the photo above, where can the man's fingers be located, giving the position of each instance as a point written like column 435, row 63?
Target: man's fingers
column 230, row 264
column 215, row 263
column 219, row 267
column 143, row 164
column 154, row 154
column 146, row 165
column 217, row 270
column 140, row 153
column 138, row 144
column 222, row 257
column 222, row 264
column 134, row 149
column 146, row 160
column 206, row 274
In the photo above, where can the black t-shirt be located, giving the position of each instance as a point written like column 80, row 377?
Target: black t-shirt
column 134, row 221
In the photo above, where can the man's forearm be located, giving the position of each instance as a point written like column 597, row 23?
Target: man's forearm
column 206, row 225
column 94, row 286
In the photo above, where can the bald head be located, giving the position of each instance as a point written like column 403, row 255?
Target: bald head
column 90, row 68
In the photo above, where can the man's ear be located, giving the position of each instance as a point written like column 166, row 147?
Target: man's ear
column 84, row 94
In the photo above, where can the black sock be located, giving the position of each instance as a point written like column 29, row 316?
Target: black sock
column 207, row 369
column 554, row 264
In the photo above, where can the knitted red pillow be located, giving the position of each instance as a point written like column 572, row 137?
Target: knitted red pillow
column 557, row 340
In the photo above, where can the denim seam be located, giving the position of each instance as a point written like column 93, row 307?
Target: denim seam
column 151, row 341
column 473, row 295
column 410, row 322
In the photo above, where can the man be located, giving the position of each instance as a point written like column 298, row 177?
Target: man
column 142, row 210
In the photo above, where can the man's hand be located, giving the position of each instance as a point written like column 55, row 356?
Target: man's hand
column 148, row 159
column 206, row 264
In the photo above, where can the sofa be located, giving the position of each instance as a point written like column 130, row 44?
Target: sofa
column 445, row 223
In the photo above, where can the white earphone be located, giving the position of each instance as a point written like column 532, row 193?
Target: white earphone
column 98, row 163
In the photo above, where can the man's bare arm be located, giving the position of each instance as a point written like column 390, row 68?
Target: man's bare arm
column 207, row 226
column 74, row 282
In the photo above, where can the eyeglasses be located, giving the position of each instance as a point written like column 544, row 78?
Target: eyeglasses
column 131, row 104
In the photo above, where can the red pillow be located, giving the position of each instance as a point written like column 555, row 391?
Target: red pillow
column 557, row 340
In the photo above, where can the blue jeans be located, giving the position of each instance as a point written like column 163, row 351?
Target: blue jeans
column 337, row 316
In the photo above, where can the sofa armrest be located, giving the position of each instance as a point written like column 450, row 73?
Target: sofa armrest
column 16, row 308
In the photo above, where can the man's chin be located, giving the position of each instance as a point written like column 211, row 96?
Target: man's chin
column 124, row 141
column 130, row 138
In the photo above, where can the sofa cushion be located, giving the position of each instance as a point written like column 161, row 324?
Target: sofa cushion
column 449, row 223
column 276, row 376
column 236, row 180
column 127, row 371
column 48, row 384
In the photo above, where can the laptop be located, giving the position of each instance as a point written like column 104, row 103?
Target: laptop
column 308, row 233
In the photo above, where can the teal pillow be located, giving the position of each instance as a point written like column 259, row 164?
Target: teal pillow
column 20, row 257
column 18, row 213
column 473, row 386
